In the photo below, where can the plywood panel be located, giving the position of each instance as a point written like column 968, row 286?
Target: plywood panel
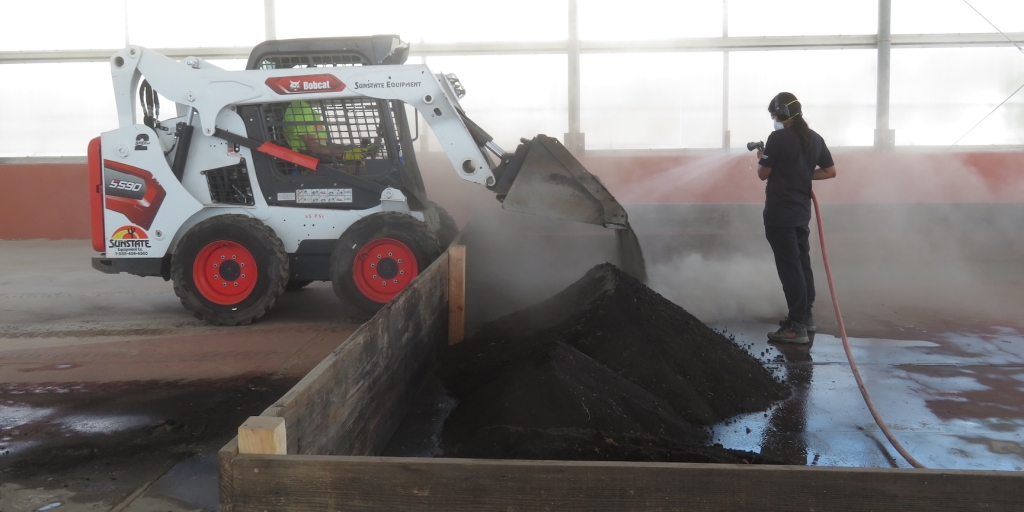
column 370, row 483
column 351, row 403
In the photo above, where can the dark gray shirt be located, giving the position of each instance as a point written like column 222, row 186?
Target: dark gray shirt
column 788, row 191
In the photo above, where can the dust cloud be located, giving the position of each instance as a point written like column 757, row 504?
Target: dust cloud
column 721, row 288
column 909, row 232
column 906, row 230
column 515, row 260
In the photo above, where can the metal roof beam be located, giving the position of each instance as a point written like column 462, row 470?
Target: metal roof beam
column 695, row 44
column 869, row 41
column 227, row 52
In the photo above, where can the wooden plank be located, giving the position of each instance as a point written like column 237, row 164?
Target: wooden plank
column 351, row 403
column 264, row 435
column 296, row 484
column 456, row 294
column 226, row 480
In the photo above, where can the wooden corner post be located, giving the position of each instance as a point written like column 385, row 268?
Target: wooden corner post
column 263, row 435
column 456, row 294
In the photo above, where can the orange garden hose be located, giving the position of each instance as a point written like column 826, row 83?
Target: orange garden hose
column 849, row 353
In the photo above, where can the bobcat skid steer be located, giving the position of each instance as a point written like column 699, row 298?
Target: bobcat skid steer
column 298, row 169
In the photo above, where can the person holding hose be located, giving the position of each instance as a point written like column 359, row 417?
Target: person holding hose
column 793, row 156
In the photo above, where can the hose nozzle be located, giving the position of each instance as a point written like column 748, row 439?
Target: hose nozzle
column 759, row 145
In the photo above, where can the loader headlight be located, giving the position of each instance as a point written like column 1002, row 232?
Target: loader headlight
column 456, row 84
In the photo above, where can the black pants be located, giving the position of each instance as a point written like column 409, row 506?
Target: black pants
column 793, row 261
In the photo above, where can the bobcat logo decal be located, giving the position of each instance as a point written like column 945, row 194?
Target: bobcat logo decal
column 305, row 84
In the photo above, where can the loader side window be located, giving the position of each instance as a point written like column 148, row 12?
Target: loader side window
column 348, row 134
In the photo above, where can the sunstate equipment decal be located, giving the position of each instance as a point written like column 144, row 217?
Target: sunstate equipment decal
column 386, row 85
column 305, row 84
column 142, row 142
column 129, row 241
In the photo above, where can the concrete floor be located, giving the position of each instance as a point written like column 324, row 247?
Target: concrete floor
column 112, row 397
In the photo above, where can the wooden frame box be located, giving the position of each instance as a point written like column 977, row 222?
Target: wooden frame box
column 345, row 410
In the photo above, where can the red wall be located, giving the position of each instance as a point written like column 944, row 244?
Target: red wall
column 51, row 200
column 863, row 177
column 44, row 201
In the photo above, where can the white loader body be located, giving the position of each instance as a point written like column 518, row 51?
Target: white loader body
column 215, row 93
column 299, row 169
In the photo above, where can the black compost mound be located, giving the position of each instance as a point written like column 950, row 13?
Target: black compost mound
column 607, row 369
column 504, row 442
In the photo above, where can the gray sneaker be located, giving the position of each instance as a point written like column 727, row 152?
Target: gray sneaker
column 808, row 323
column 790, row 332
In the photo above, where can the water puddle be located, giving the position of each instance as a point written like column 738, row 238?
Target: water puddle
column 39, row 389
column 10, row 447
column 955, row 402
column 13, row 415
column 83, row 424
column 50, row 367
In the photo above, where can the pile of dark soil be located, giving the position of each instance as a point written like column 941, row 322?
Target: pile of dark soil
column 605, row 359
column 504, row 442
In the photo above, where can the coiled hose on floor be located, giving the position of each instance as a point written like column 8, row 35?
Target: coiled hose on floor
column 849, row 353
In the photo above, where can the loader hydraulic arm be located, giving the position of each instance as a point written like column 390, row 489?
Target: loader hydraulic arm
column 212, row 91
column 541, row 177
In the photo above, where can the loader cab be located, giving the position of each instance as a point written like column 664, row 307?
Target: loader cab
column 363, row 137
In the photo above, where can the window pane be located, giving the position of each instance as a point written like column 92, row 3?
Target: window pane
column 954, row 16
column 841, row 110
column 649, row 19
column 938, row 94
column 641, row 101
column 437, row 21
column 802, row 17
column 511, row 96
column 95, row 24
column 47, row 120
column 196, row 23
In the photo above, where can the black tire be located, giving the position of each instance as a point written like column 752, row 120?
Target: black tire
column 295, row 285
column 261, row 245
column 448, row 229
column 411, row 233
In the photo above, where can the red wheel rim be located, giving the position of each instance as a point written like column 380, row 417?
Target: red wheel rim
column 224, row 272
column 382, row 268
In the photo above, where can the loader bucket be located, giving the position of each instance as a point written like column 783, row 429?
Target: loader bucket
column 553, row 183
column 546, row 179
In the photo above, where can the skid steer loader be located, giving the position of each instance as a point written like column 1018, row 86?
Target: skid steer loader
column 301, row 168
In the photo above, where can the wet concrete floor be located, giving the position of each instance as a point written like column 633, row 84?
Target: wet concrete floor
column 112, row 397
column 953, row 400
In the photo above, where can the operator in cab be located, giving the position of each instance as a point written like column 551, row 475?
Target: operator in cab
column 304, row 131
column 793, row 156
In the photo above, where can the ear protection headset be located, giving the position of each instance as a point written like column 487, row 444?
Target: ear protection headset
column 781, row 111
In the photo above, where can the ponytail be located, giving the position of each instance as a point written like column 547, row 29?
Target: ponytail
column 804, row 131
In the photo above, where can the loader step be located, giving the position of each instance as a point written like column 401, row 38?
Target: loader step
column 135, row 266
